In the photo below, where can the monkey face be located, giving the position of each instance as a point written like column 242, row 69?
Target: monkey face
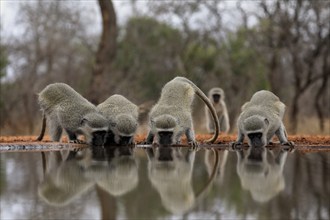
column 257, row 139
column 216, row 98
column 256, row 128
column 98, row 137
column 94, row 126
column 125, row 140
column 165, row 137
column 109, row 138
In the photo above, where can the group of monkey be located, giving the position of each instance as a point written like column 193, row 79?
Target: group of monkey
column 115, row 121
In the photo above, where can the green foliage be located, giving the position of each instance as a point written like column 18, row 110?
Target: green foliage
column 3, row 66
column 3, row 178
column 201, row 55
column 3, row 61
column 245, row 60
column 147, row 52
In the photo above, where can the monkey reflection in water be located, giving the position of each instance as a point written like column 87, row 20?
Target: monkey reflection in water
column 261, row 172
column 65, row 179
column 119, row 174
column 69, row 177
column 170, row 172
column 210, row 160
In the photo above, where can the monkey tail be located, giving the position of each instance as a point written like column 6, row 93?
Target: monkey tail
column 44, row 162
column 206, row 100
column 201, row 194
column 43, row 127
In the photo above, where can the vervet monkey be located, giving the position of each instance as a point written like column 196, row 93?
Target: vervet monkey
column 217, row 98
column 170, row 172
column 261, row 172
column 261, row 119
column 65, row 178
column 66, row 109
column 122, row 115
column 171, row 117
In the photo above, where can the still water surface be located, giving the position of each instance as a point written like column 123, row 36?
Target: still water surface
column 165, row 183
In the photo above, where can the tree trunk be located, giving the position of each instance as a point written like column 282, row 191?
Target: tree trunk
column 322, row 91
column 294, row 113
column 106, row 51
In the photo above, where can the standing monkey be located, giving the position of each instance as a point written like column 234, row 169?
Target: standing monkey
column 171, row 117
column 217, row 98
column 66, row 109
column 261, row 119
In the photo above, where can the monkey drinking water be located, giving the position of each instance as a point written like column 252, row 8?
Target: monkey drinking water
column 171, row 117
column 261, row 119
column 66, row 109
column 122, row 115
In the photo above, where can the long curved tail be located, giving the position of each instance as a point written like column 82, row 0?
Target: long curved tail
column 206, row 100
column 43, row 127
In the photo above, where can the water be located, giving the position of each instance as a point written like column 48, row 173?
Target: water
column 165, row 184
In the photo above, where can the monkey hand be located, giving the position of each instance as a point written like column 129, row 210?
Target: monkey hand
column 288, row 146
column 236, row 146
column 194, row 145
column 145, row 142
column 77, row 141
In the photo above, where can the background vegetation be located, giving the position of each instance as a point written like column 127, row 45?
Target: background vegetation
column 279, row 45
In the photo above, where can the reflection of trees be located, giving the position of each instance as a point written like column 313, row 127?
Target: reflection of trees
column 306, row 195
column 2, row 175
column 22, row 181
column 107, row 204
column 311, row 171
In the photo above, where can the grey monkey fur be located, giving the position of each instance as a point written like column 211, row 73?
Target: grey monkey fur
column 171, row 117
column 261, row 119
column 122, row 115
column 220, row 108
column 66, row 109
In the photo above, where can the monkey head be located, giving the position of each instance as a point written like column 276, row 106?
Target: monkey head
column 256, row 128
column 94, row 126
column 125, row 126
column 216, row 94
column 216, row 98
column 165, row 126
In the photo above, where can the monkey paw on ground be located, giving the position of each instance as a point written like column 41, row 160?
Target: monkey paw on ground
column 194, row 145
column 288, row 146
column 77, row 141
